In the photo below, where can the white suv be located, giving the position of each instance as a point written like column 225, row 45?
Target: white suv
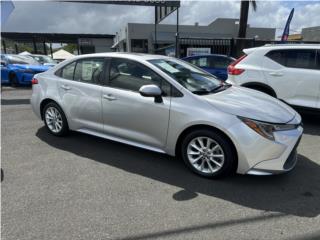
column 288, row 72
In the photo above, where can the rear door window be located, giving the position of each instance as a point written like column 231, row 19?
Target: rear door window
column 68, row 71
column 200, row 62
column 89, row 70
column 294, row 58
column 219, row 62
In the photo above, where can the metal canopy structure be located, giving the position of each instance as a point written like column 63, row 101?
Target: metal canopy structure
column 51, row 37
column 48, row 38
column 158, row 3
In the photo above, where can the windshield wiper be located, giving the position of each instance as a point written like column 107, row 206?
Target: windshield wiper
column 201, row 91
column 221, row 87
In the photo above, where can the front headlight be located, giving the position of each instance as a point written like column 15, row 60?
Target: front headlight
column 267, row 129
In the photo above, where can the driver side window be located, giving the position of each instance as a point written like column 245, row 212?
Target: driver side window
column 130, row 75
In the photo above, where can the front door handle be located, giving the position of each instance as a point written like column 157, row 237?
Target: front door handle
column 276, row 74
column 109, row 97
column 65, row 87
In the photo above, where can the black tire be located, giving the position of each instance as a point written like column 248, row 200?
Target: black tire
column 13, row 80
column 230, row 157
column 65, row 128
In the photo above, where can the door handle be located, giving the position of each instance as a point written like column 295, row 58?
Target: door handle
column 65, row 87
column 109, row 97
column 276, row 74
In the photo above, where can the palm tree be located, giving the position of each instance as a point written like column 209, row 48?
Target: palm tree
column 244, row 11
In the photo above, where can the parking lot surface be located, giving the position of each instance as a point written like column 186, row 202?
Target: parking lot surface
column 84, row 187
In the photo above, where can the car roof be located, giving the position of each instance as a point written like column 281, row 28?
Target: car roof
column 135, row 56
column 207, row 55
column 269, row 47
column 293, row 45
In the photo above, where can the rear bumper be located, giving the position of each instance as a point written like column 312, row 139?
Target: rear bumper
column 36, row 100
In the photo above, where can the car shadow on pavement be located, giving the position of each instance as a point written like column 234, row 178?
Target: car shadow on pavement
column 295, row 193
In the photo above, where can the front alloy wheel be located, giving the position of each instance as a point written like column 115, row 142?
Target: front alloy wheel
column 205, row 155
column 209, row 153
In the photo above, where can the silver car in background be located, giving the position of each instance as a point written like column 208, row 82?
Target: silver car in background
column 167, row 105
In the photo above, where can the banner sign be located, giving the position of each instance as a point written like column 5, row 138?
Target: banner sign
column 198, row 51
column 286, row 30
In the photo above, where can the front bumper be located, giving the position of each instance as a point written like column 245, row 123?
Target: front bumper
column 289, row 164
column 260, row 156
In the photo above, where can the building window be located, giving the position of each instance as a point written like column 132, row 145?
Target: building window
column 139, row 45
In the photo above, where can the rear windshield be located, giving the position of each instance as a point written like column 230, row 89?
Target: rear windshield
column 22, row 60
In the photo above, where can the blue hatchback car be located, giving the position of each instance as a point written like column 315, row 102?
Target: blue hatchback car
column 215, row 64
column 19, row 70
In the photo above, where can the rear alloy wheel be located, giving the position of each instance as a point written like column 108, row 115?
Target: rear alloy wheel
column 55, row 119
column 208, row 154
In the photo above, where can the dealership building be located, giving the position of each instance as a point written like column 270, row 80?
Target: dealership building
column 311, row 34
column 139, row 37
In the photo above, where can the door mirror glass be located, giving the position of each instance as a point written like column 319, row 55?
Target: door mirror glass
column 151, row 91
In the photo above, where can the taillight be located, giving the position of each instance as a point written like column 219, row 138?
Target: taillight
column 233, row 70
column 34, row 81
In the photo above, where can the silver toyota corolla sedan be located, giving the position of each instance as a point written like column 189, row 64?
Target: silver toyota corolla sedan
column 167, row 105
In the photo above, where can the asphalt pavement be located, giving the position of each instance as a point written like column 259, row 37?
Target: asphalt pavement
column 84, row 187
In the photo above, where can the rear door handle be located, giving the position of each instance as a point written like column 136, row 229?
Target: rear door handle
column 276, row 74
column 109, row 97
column 65, row 87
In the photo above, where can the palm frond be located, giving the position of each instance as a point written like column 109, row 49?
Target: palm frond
column 254, row 5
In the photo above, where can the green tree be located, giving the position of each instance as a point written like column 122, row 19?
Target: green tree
column 71, row 48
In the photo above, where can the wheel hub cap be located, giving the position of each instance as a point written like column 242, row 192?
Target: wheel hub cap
column 205, row 155
column 53, row 119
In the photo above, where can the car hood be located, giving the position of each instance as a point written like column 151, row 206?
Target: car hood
column 252, row 104
column 38, row 68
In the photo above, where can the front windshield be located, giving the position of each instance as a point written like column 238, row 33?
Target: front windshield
column 16, row 59
column 190, row 77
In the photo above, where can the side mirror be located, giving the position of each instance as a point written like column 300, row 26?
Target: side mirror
column 151, row 91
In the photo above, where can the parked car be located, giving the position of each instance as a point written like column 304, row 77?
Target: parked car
column 167, row 105
column 44, row 60
column 288, row 72
column 215, row 64
column 16, row 69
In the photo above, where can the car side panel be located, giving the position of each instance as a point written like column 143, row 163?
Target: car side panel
column 82, row 103
column 136, row 118
column 296, row 86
